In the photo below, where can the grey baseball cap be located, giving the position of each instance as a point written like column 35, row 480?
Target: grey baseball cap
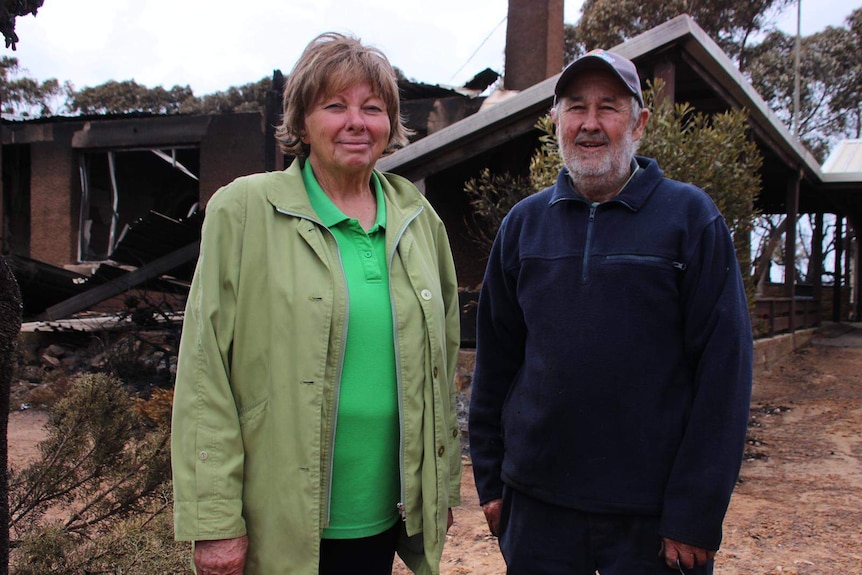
column 623, row 68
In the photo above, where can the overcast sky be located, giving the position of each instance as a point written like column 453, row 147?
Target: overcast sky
column 214, row 44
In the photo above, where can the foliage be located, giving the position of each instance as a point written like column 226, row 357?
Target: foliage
column 128, row 96
column 246, row 98
column 9, row 11
column 132, row 547
column 27, row 96
column 491, row 196
column 731, row 23
column 102, row 479
column 157, row 409
column 713, row 152
column 830, row 82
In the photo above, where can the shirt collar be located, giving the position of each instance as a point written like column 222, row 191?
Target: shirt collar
column 330, row 215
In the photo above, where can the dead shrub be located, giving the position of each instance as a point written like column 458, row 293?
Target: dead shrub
column 103, row 482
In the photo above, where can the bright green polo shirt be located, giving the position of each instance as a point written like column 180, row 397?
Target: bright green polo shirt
column 365, row 478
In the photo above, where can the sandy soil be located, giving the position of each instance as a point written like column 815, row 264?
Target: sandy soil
column 797, row 509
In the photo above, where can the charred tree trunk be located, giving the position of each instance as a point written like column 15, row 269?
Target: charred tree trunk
column 10, row 325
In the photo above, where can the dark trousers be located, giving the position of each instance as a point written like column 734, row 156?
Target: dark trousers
column 537, row 538
column 368, row 555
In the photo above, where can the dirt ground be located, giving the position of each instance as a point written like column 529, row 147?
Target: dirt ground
column 797, row 509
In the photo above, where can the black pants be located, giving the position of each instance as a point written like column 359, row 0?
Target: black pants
column 368, row 555
column 537, row 538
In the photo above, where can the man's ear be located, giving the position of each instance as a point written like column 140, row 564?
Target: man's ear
column 640, row 124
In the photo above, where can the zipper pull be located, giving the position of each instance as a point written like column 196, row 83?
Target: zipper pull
column 680, row 266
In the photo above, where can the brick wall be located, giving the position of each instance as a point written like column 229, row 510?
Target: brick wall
column 233, row 147
column 53, row 210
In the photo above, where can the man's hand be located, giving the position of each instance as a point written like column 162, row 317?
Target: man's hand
column 492, row 515
column 678, row 554
column 221, row 556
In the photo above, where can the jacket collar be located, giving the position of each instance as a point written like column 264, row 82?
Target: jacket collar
column 284, row 187
column 634, row 194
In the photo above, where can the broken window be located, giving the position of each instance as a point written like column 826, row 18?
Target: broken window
column 118, row 187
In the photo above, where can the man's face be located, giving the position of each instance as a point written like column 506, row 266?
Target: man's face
column 595, row 129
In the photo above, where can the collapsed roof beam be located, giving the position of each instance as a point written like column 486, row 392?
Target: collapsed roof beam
column 121, row 284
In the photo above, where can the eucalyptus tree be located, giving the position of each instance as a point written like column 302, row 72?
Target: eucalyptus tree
column 733, row 24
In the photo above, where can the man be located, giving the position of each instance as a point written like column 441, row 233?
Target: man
column 613, row 368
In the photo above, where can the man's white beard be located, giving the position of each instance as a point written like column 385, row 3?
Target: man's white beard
column 613, row 166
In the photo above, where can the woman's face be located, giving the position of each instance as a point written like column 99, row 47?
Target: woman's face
column 347, row 131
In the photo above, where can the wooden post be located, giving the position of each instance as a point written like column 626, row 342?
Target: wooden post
column 857, row 286
column 817, row 268
column 792, row 205
column 666, row 72
column 839, row 261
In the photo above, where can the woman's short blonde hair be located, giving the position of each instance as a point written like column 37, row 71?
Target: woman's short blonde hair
column 330, row 63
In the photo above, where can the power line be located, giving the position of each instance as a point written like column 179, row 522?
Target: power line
column 488, row 37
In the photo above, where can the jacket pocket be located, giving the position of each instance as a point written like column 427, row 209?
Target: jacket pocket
column 644, row 260
column 248, row 415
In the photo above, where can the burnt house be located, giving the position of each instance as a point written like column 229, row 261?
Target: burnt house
column 65, row 179
column 86, row 199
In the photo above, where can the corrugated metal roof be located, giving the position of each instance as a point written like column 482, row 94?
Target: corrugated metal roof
column 845, row 157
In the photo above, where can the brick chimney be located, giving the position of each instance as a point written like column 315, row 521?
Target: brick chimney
column 534, row 42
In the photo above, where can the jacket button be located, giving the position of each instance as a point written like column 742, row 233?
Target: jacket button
column 425, row 294
column 454, row 433
column 434, row 372
column 441, row 451
column 203, row 455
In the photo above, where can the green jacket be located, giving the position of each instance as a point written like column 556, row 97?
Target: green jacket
column 261, row 352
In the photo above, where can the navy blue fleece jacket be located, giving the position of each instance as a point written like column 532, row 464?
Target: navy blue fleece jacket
column 614, row 356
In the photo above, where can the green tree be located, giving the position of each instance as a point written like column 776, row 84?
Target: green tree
column 128, row 96
column 830, row 82
column 9, row 11
column 846, row 48
column 26, row 96
column 733, row 24
column 249, row 97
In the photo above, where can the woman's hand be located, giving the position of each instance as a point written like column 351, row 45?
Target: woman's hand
column 221, row 556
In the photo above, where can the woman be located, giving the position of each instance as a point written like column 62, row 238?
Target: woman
column 314, row 427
